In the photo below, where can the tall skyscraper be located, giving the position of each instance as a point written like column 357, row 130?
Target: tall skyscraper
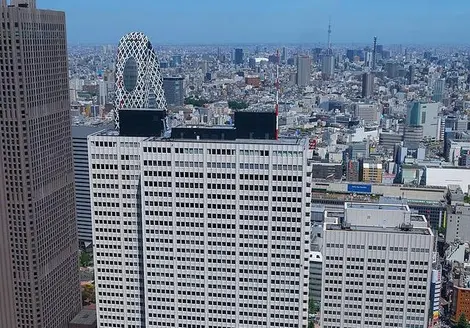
column 377, row 268
column 174, row 90
column 411, row 74
column 439, row 89
column 367, row 85
column 238, row 56
column 284, row 55
column 39, row 281
column 208, row 230
column 328, row 66
column 82, row 181
column 304, row 70
column 138, row 77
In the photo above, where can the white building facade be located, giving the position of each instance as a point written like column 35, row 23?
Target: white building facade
column 200, row 233
column 377, row 268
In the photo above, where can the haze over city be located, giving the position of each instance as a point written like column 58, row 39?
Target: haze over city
column 247, row 21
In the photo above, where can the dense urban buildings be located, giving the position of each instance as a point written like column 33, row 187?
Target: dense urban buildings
column 386, row 124
column 377, row 264
column 38, row 261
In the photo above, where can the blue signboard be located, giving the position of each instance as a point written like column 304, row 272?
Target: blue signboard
column 364, row 188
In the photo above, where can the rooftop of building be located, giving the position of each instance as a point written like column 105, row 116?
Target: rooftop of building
column 82, row 131
column 85, row 317
column 374, row 206
column 282, row 141
column 379, row 229
column 380, row 218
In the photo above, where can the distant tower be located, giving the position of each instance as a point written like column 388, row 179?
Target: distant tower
column 328, row 60
column 329, row 33
column 374, row 54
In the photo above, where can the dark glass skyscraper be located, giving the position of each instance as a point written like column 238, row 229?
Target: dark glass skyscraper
column 39, row 285
column 174, row 90
column 238, row 60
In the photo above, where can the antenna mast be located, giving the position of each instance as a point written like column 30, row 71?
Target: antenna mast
column 329, row 33
column 277, row 95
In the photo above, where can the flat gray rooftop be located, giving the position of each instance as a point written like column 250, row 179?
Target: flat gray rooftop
column 282, row 141
column 375, row 206
column 353, row 228
column 85, row 317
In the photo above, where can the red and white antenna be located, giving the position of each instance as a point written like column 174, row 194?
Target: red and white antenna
column 277, row 95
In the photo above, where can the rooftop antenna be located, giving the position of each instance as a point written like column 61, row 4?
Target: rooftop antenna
column 374, row 53
column 329, row 33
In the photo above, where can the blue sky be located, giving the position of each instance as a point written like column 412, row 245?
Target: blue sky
column 266, row 21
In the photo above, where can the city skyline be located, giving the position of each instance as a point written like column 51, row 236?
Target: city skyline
column 245, row 22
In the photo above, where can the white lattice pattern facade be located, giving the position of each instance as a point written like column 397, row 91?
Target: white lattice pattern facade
column 139, row 82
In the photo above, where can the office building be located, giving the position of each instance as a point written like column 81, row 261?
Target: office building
column 439, row 90
column 427, row 116
column 304, row 70
column 176, row 61
column 411, row 74
column 211, row 266
column 458, row 223
column 377, row 268
column 391, row 69
column 238, row 56
column 367, row 113
column 39, row 281
column 284, row 55
column 328, row 66
column 370, row 171
column 367, row 85
column 174, row 90
column 460, row 293
column 252, row 63
column 82, row 181
column 412, row 136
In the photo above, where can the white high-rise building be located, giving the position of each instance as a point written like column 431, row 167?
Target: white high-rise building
column 200, row 233
column 377, row 268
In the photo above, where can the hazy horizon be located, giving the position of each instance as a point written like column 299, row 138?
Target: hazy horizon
column 181, row 22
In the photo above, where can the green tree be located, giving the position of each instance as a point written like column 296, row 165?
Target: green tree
column 463, row 323
column 199, row 102
column 313, row 306
column 88, row 294
column 311, row 324
column 233, row 104
column 85, row 260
